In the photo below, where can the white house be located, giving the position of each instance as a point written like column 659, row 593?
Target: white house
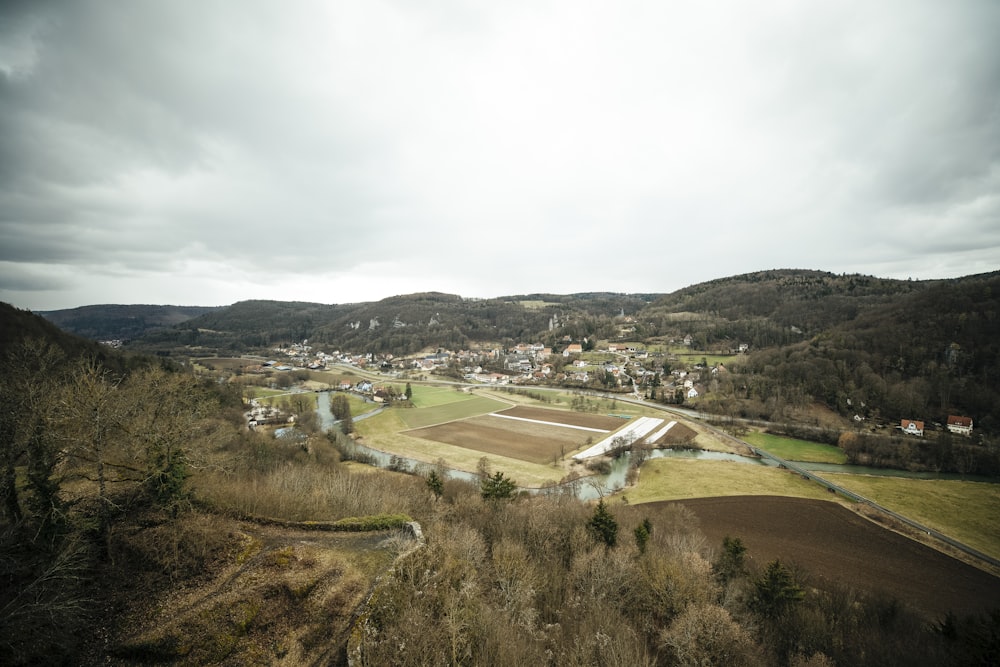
column 960, row 425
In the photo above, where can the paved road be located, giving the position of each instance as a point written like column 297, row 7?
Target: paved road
column 693, row 414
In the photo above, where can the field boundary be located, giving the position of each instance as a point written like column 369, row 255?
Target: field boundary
column 539, row 421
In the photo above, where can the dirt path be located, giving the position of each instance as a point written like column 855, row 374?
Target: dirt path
column 833, row 543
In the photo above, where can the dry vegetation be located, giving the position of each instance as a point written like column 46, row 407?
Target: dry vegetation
column 182, row 538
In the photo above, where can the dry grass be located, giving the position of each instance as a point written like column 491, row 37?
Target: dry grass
column 965, row 511
column 313, row 494
column 281, row 598
column 676, row 479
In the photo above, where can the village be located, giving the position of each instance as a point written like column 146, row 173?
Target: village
column 618, row 367
column 615, row 367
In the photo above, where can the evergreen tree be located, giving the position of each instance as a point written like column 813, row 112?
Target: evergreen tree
column 775, row 591
column 603, row 525
column 730, row 563
column 641, row 537
column 497, row 487
column 435, row 484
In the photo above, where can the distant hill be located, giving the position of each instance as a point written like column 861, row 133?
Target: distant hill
column 18, row 325
column 121, row 322
column 398, row 324
column 856, row 344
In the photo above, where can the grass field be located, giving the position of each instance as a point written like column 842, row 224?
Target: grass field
column 535, row 443
column 791, row 449
column 965, row 511
column 426, row 396
column 446, row 412
column 676, row 479
column 358, row 405
column 387, row 432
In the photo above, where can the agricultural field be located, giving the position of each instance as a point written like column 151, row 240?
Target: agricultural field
column 674, row 479
column 830, row 542
column 466, row 406
column 264, row 394
column 427, row 396
column 460, row 427
column 965, row 511
column 536, row 435
column 792, row 449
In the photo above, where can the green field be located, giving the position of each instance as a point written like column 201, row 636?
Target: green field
column 675, row 479
column 965, row 511
column 386, row 432
column 426, row 396
column 791, row 449
column 469, row 406
column 359, row 406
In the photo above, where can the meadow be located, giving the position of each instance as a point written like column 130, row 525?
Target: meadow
column 792, row 449
column 677, row 479
column 965, row 511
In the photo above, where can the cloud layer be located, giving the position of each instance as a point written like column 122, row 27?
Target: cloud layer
column 155, row 152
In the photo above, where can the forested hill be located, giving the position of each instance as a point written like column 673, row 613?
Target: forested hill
column 903, row 348
column 22, row 327
column 401, row 324
column 121, row 322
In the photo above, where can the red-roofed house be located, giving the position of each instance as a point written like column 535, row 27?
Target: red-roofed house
column 960, row 425
column 912, row 427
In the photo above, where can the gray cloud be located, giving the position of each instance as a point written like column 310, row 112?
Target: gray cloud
column 336, row 152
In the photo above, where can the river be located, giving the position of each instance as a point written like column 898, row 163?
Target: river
column 594, row 486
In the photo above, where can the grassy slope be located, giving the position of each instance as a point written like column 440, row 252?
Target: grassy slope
column 792, row 449
column 427, row 396
column 674, row 479
column 446, row 412
column 965, row 511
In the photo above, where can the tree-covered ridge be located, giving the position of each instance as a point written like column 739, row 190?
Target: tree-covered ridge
column 16, row 325
column 930, row 353
column 121, row 322
column 857, row 344
column 811, row 301
column 399, row 324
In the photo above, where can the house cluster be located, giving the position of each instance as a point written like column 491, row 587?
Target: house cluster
column 523, row 363
column 379, row 394
column 301, row 355
column 956, row 424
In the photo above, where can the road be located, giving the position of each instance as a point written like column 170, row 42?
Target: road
column 806, row 474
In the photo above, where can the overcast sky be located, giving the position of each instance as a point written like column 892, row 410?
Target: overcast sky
column 203, row 153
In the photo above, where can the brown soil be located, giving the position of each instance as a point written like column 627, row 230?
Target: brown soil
column 527, row 441
column 833, row 544
column 679, row 434
column 586, row 419
column 537, row 443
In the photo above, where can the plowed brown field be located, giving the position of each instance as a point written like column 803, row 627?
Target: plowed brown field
column 833, row 544
column 586, row 419
column 532, row 441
